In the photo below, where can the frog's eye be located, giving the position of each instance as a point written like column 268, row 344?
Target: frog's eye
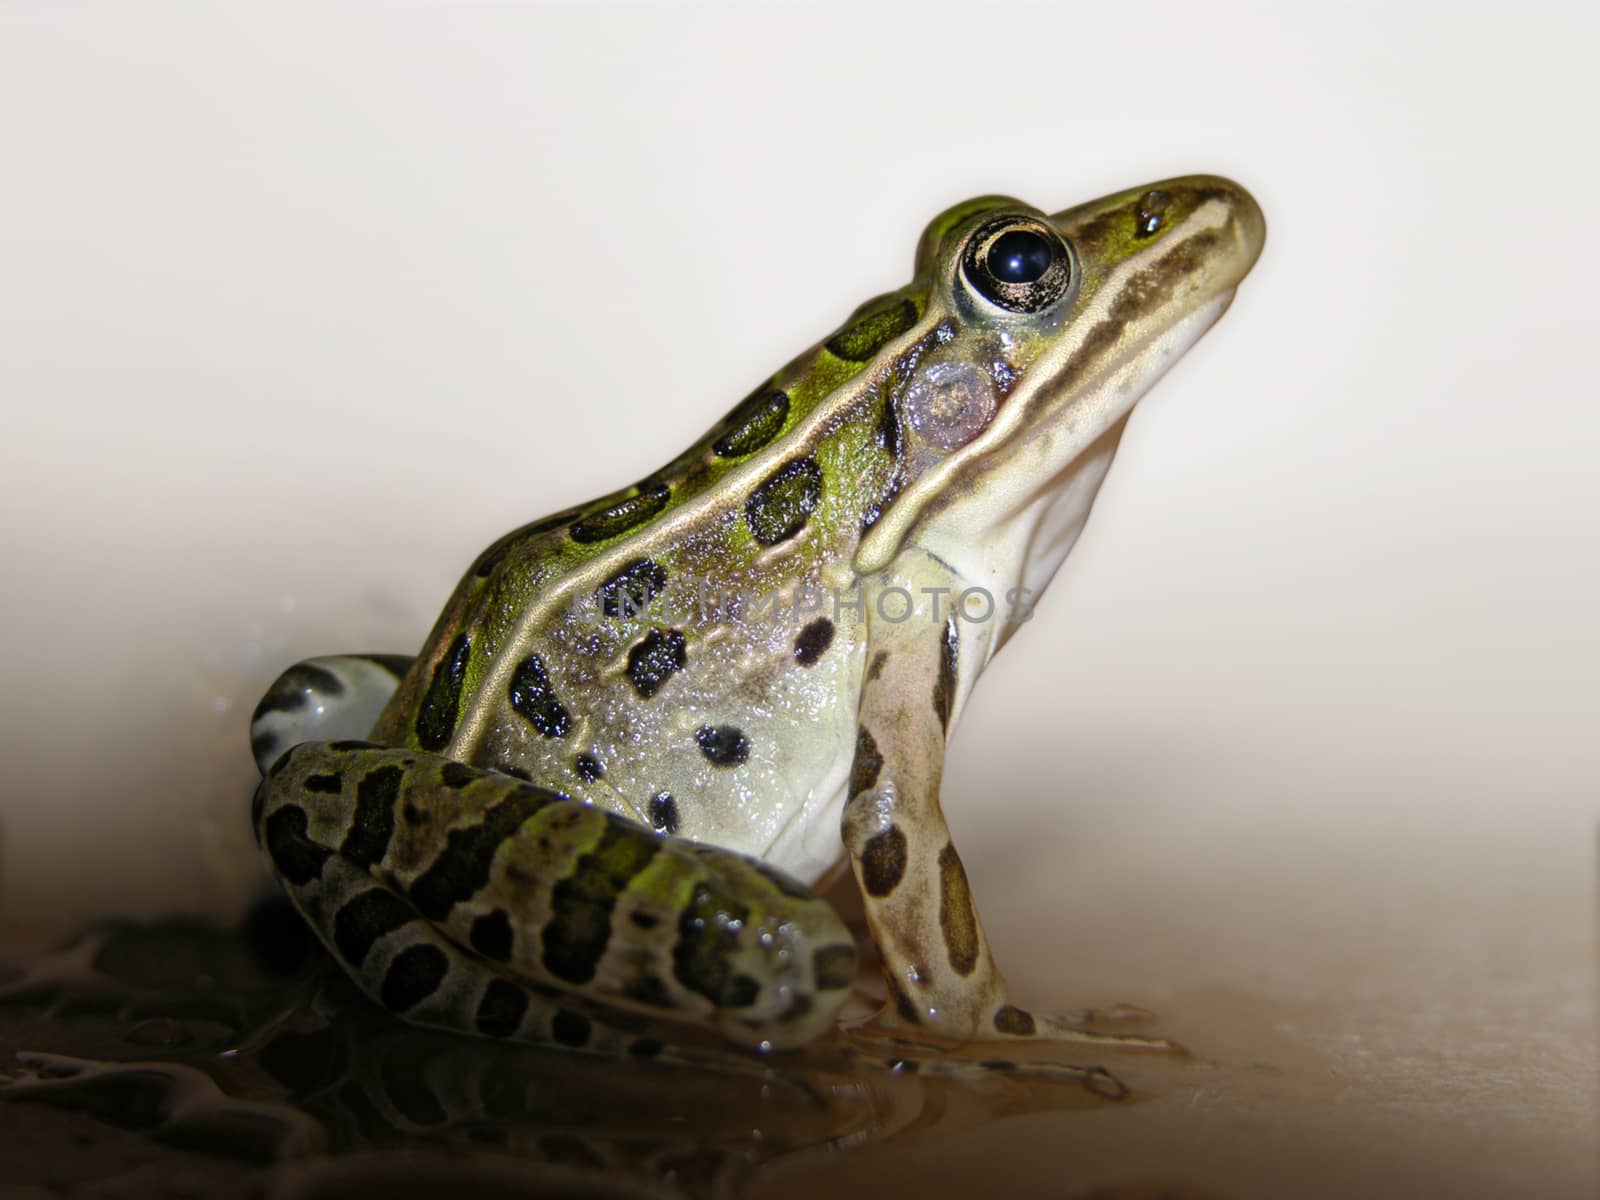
column 1019, row 263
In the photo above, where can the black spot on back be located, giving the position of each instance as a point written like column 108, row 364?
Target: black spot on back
column 533, row 697
column 414, row 815
column 589, row 768
column 834, row 967
column 373, row 824
column 646, row 1048
column 501, row 1010
column 813, row 641
column 944, row 686
column 297, row 857
column 708, row 934
column 619, row 518
column 630, row 591
column 364, row 919
column 413, row 976
column 883, row 861
column 491, row 935
column 664, row 813
column 654, row 659
column 866, row 765
column 436, row 715
column 463, row 865
column 781, row 506
column 723, row 745
column 581, row 904
column 330, row 785
column 753, row 424
column 878, row 323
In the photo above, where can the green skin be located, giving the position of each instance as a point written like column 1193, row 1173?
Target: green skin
column 585, row 808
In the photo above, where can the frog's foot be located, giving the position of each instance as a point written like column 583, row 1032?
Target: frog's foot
column 1009, row 1026
column 1079, row 1029
column 892, row 1050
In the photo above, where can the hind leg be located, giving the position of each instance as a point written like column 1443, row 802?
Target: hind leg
column 428, row 879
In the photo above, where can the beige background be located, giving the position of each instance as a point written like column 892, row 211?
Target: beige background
column 303, row 306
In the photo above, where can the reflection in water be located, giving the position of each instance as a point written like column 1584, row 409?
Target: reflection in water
column 246, row 1060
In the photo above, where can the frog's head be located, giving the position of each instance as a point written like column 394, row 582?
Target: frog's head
column 1049, row 329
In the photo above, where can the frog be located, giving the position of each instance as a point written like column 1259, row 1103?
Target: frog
column 596, row 807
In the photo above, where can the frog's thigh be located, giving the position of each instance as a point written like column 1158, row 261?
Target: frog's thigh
column 328, row 699
column 471, row 877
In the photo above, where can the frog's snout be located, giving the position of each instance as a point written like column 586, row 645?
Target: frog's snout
column 1244, row 217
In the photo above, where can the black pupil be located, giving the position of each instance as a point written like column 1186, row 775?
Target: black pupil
column 1019, row 256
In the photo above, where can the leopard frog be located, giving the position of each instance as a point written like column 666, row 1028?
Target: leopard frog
column 595, row 802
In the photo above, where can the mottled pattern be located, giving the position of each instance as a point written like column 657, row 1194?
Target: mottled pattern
column 372, row 825
column 582, row 903
column 462, row 867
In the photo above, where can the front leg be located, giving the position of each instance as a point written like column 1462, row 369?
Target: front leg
column 937, row 966
column 941, row 978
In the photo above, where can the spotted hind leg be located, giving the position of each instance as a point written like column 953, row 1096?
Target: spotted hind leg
column 446, row 877
column 405, row 964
